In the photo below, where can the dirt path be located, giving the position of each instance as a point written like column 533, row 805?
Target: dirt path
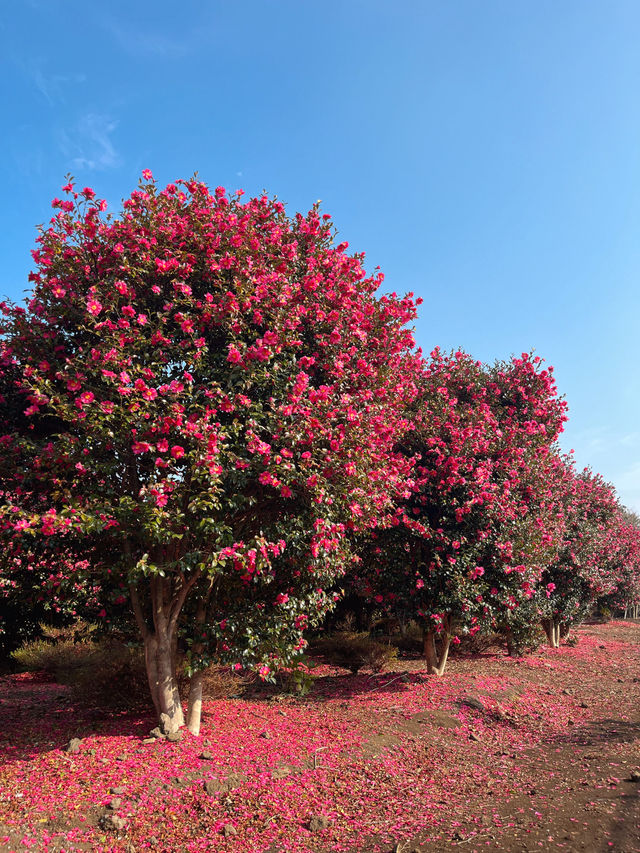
column 574, row 790
column 533, row 754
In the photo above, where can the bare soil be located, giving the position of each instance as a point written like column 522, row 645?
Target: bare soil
column 500, row 754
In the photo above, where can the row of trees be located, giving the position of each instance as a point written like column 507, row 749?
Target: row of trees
column 209, row 418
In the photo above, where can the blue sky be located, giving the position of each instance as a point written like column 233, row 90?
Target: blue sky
column 485, row 153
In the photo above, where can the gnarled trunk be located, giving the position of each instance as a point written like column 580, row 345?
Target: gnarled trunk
column 436, row 652
column 163, row 682
column 161, row 645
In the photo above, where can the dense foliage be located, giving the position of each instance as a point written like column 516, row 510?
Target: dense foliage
column 209, row 417
column 214, row 393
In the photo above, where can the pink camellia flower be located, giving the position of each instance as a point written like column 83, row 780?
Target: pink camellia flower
column 264, row 671
column 177, row 451
column 94, row 307
column 477, row 573
column 142, row 319
column 551, row 587
column 141, row 447
column 147, row 174
column 162, row 445
column 85, row 398
column 234, row 355
column 282, row 598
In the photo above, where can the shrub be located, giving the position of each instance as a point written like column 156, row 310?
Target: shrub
column 221, row 682
column 102, row 672
column 355, row 651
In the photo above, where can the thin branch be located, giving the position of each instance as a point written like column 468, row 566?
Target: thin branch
column 180, row 599
column 137, row 611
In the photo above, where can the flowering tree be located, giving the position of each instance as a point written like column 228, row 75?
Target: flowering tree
column 590, row 552
column 223, row 391
column 626, row 595
column 32, row 572
column 468, row 545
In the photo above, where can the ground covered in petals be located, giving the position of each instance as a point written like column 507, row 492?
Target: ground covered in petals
column 534, row 753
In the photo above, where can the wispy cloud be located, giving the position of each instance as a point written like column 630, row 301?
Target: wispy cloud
column 148, row 43
column 52, row 86
column 89, row 145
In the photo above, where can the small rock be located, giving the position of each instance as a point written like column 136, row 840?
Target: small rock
column 634, row 776
column 115, row 803
column 228, row 830
column 266, row 735
column 234, row 780
column 116, row 791
column 280, row 773
column 474, row 736
column 149, row 740
column 206, row 755
column 112, row 822
column 583, row 705
column 73, row 746
column 319, row 822
column 174, row 737
column 472, row 702
column 157, row 732
column 166, row 725
column 213, row 786
column 121, row 757
column 570, row 722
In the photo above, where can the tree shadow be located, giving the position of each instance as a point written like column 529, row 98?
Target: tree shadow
column 598, row 732
column 39, row 716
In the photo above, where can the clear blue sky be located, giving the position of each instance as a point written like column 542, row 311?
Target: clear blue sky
column 486, row 154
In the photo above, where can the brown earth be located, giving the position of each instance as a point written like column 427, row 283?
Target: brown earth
column 531, row 754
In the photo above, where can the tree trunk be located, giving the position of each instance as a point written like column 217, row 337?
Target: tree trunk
column 437, row 658
column 163, row 683
column 552, row 630
column 160, row 645
column 194, row 714
column 512, row 648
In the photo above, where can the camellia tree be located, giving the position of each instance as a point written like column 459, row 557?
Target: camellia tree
column 224, row 392
column 32, row 571
column 468, row 545
column 625, row 598
column 589, row 554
